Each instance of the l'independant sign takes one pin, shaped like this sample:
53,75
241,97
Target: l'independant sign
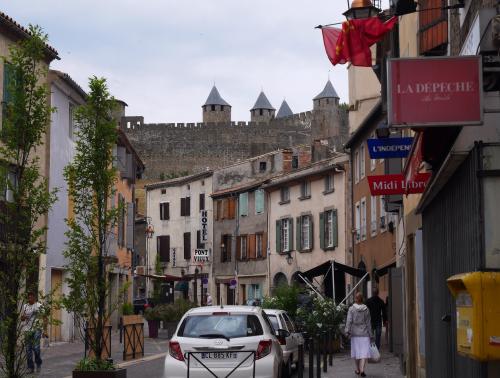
384,148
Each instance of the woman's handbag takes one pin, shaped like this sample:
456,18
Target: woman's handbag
374,353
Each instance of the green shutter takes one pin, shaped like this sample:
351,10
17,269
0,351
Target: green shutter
278,236
290,234
311,233
259,201
335,229
7,82
243,205
298,236
322,230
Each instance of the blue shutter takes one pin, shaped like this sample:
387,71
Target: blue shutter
322,230
259,201
335,229
243,205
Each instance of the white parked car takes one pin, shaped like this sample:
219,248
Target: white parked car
219,339
290,343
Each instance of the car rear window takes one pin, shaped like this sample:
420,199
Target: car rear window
274,322
214,326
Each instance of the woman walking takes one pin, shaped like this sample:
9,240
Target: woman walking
358,328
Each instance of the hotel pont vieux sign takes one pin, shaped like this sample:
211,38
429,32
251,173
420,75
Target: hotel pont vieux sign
437,91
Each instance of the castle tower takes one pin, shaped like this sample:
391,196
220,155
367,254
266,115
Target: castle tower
215,108
329,121
284,110
262,111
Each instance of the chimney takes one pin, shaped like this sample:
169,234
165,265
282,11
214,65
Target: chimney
287,160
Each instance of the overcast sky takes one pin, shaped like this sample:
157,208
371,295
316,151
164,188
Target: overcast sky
163,56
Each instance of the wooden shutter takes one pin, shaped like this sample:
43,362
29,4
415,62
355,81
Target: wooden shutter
252,252
183,207
290,234
322,231
188,206
130,226
167,210
225,211
278,236
187,246
433,26
335,229
232,208
229,241
202,201
298,234
163,247
311,233
264,245
238,248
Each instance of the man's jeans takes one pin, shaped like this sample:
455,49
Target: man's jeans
377,330
32,341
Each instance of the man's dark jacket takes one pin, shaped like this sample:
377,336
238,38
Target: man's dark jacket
378,311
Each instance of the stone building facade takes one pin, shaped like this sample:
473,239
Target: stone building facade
169,148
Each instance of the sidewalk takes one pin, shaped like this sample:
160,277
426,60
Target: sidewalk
343,367
59,359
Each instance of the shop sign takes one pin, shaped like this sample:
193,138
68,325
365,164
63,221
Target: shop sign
201,255
438,91
415,160
203,226
397,184
384,148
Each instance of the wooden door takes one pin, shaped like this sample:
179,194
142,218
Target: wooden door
56,313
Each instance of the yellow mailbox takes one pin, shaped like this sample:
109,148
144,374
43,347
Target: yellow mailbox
477,298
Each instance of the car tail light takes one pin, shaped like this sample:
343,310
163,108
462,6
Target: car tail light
263,349
175,350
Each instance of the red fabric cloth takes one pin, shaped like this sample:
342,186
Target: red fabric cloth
352,42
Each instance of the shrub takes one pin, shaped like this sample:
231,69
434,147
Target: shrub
92,364
322,317
127,309
285,298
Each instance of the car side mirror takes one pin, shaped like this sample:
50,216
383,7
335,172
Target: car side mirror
282,333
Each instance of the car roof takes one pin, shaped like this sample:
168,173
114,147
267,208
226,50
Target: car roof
231,309
274,312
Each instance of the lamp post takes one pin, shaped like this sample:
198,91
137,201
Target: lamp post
149,235
361,9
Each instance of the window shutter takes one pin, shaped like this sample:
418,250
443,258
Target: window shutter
232,208
311,233
229,247
8,75
130,225
252,252
290,234
167,210
202,201
243,204
163,247
322,230
187,246
183,207
335,229
298,235
188,206
264,245
259,201
225,205
278,236
238,248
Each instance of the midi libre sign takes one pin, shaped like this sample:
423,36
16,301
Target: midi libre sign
397,184
429,92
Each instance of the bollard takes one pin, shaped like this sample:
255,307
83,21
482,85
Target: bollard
300,362
318,359
325,352
311,358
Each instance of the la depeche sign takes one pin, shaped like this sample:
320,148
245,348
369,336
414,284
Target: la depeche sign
397,184
385,148
439,91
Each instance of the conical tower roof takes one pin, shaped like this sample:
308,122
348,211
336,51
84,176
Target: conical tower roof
328,92
214,98
284,110
262,103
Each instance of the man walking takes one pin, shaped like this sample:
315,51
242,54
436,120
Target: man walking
32,328
378,313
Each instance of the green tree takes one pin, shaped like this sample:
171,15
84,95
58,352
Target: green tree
91,181
24,198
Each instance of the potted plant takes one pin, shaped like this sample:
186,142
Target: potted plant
91,235
153,317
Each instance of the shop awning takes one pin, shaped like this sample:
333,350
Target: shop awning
170,278
182,286
383,270
322,269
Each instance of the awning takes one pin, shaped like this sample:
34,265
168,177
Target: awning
182,286
383,270
169,278
322,269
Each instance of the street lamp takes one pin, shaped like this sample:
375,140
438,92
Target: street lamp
361,9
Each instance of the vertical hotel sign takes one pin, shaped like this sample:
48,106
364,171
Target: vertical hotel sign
203,226
430,92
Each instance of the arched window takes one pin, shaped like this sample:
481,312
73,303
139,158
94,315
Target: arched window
280,279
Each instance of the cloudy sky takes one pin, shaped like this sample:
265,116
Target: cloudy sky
163,56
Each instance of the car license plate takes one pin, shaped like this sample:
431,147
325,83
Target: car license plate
219,356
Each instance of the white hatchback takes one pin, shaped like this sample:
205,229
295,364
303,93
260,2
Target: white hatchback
230,340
